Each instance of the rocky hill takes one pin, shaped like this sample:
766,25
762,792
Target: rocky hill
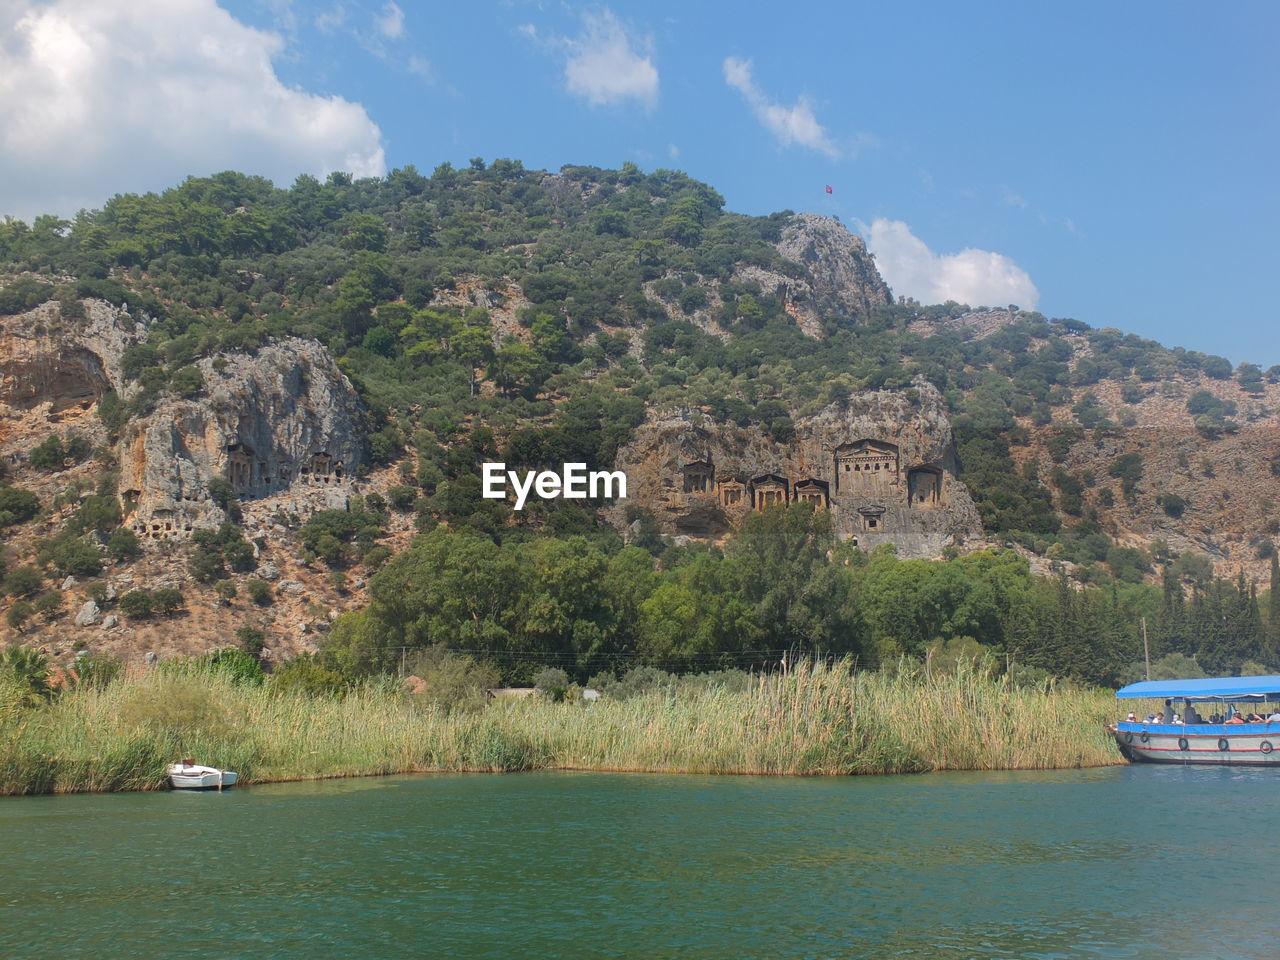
254,396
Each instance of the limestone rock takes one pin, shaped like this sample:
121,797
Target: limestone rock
839,276
282,419
882,461
67,364
68,583
268,571
88,614
110,622
292,587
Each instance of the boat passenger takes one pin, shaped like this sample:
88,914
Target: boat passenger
1176,718
1275,717
1192,716
1159,717
1254,718
1132,718
1236,718
1151,718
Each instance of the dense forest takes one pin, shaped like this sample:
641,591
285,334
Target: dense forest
495,312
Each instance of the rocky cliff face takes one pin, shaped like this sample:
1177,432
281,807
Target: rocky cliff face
60,365
281,420
882,462
840,276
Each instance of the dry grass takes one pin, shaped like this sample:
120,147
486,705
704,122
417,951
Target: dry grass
810,719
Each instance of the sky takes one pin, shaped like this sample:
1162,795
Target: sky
1114,163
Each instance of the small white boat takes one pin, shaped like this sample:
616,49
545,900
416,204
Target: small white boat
189,775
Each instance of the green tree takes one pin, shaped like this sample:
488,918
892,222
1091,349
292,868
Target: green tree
167,601
137,604
123,544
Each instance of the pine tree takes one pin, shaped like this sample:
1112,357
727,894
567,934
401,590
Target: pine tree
1273,613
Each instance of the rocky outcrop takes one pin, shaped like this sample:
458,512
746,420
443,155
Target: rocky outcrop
882,462
842,279
46,359
281,420
974,325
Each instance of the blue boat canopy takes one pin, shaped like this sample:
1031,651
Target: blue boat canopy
1254,689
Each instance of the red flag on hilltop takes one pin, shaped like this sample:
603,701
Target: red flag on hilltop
829,190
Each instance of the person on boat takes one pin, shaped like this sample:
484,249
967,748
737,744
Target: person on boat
1175,718
1254,718
1132,718
1192,716
1159,717
1275,717
1236,718
1151,718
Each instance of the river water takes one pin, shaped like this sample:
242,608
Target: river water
1116,862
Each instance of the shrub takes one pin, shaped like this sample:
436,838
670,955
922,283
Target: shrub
137,604
167,601
123,544
19,614
23,582
1172,504
48,604
225,589
48,455
243,668
251,640
98,512
304,675
71,555
17,506
402,497
552,681
260,592
376,557
452,681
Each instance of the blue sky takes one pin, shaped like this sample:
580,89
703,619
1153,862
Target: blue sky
1109,162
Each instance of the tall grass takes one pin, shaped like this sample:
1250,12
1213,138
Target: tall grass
814,718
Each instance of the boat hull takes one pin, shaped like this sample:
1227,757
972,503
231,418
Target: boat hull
200,778
1248,744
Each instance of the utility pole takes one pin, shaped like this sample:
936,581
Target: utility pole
1146,649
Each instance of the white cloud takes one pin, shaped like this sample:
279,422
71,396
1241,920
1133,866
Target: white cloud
975,277
98,98
604,67
327,21
795,124
390,22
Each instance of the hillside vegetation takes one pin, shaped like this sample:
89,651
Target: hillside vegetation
493,312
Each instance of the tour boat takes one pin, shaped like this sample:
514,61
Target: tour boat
189,775
1252,744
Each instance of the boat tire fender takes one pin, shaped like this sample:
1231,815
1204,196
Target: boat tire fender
1265,746
1183,743
1223,744
1128,738
1145,736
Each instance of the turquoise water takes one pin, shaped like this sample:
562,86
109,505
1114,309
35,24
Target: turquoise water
1119,862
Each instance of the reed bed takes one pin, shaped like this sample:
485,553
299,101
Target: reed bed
814,718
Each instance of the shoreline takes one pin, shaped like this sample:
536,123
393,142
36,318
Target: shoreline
813,720
648,771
